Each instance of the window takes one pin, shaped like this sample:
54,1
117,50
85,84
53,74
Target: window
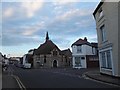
79,49
82,57
77,61
100,13
106,59
92,50
109,59
103,33
62,58
103,59
44,58
54,53
66,59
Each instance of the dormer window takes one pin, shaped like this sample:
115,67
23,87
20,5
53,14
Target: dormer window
100,13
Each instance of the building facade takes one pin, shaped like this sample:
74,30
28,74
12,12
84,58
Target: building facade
48,55
1,57
107,25
84,54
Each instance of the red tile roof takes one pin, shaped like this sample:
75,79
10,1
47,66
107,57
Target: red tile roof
81,42
84,42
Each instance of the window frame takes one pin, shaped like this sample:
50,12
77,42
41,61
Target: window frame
100,13
103,33
106,66
55,53
45,59
79,49
76,60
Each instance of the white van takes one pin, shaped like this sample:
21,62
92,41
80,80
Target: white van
27,65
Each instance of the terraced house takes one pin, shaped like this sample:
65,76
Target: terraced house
48,55
107,17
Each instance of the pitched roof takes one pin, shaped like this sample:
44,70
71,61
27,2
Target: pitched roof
66,52
81,42
46,48
95,44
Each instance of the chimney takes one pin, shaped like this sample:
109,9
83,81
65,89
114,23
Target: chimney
85,39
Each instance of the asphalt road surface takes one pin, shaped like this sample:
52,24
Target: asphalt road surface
53,78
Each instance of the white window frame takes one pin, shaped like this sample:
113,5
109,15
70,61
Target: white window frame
100,13
105,50
79,49
79,61
103,33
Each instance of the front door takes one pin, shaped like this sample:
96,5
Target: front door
55,63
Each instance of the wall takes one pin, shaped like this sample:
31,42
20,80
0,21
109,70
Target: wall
110,19
119,38
83,62
86,50
49,61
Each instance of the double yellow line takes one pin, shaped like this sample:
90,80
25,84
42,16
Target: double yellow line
22,87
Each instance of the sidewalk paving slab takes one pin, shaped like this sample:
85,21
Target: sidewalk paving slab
101,77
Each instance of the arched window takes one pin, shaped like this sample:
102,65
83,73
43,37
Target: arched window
55,53
44,58
66,59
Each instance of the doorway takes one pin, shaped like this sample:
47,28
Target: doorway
55,64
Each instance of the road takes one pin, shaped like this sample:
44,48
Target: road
53,78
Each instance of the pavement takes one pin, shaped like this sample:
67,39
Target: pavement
96,75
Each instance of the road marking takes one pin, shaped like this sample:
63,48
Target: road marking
22,87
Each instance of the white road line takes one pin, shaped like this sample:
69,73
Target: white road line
22,87
18,82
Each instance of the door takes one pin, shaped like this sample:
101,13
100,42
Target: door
55,63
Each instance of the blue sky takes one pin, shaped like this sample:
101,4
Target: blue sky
24,24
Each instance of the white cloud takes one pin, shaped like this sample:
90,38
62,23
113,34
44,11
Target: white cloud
64,2
30,30
30,8
73,12
8,12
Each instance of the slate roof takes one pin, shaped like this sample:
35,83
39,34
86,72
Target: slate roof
46,48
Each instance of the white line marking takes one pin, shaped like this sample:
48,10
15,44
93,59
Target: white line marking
22,87
17,82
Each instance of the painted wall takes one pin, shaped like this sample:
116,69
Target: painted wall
86,50
110,19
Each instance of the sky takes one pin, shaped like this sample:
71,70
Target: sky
24,24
